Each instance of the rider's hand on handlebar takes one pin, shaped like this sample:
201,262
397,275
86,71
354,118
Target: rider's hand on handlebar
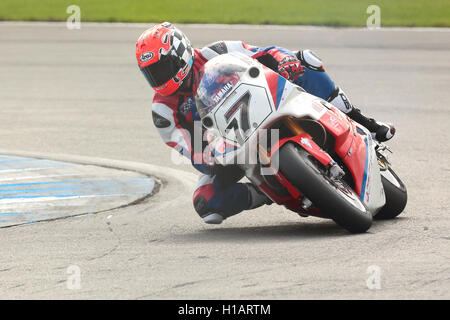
290,68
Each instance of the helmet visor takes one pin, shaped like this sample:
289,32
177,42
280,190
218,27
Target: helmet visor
160,72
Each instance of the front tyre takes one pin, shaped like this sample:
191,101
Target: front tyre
396,195
333,197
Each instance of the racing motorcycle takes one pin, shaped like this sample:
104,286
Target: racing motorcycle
308,155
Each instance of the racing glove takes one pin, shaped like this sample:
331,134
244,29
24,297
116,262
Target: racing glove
290,68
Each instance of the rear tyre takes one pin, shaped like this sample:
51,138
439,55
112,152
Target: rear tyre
396,196
333,197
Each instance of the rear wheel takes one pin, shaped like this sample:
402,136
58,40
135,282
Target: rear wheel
333,197
396,195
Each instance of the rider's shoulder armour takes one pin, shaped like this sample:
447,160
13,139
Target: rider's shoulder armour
219,47
310,60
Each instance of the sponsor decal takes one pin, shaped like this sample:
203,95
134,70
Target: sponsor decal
306,142
187,106
348,106
146,56
334,122
222,92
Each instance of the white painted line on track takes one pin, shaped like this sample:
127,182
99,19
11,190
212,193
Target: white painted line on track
40,177
27,169
44,199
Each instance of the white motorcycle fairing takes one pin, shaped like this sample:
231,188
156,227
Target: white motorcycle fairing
256,99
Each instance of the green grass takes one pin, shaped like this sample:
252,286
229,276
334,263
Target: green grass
426,13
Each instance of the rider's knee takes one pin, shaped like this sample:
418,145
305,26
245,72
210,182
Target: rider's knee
201,205
203,210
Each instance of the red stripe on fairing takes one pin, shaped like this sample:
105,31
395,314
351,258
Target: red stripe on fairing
207,191
272,81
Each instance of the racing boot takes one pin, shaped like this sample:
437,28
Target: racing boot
255,199
380,131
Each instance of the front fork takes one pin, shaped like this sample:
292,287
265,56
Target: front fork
295,128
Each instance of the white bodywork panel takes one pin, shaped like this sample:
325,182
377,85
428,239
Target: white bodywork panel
262,112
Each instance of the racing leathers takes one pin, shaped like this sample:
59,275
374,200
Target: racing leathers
218,194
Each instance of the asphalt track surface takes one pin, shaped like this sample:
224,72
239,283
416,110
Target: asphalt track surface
79,92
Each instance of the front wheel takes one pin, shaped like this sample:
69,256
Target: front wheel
396,195
332,196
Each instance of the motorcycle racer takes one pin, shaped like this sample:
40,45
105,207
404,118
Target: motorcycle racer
171,66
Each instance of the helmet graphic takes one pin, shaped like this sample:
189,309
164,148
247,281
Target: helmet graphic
165,57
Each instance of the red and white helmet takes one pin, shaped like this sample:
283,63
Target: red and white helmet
165,57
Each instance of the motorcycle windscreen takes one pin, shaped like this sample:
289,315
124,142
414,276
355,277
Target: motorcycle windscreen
217,79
